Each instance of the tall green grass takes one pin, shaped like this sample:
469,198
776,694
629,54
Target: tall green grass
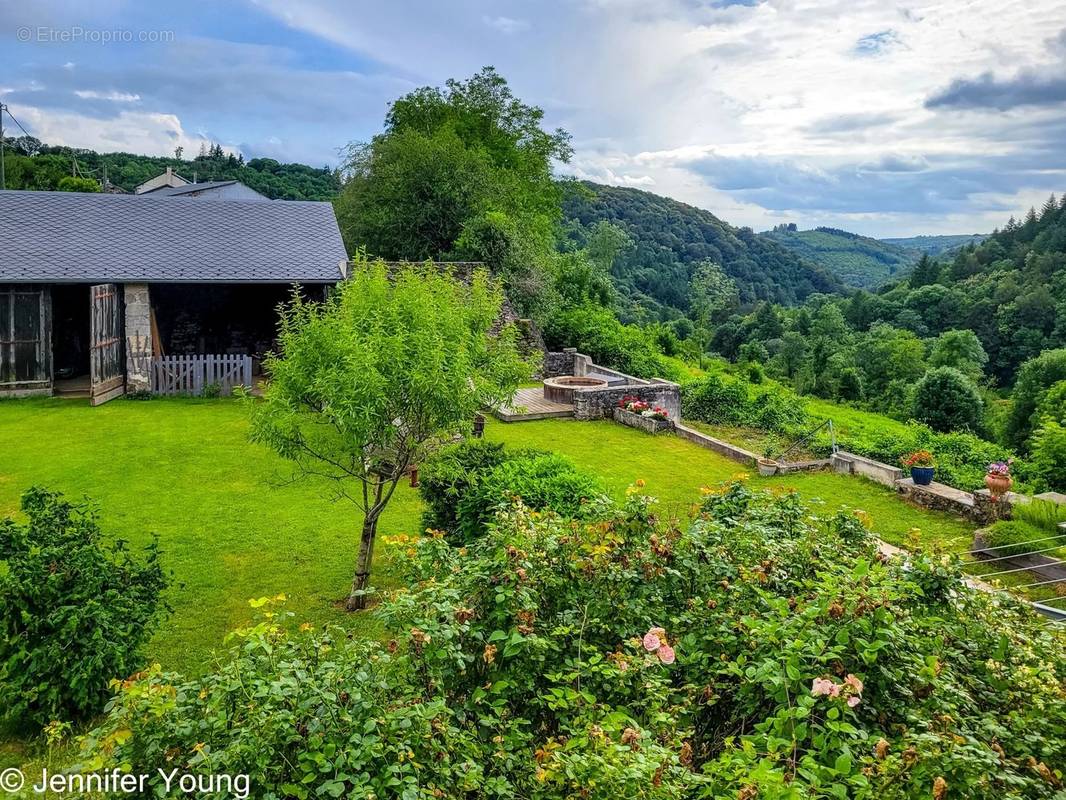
1043,514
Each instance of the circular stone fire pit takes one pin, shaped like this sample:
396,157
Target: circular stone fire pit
561,389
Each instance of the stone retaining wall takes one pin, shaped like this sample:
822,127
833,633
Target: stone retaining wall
854,464
745,457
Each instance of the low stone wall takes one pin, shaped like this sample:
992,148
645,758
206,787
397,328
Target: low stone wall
601,403
568,362
938,497
745,457
854,464
646,424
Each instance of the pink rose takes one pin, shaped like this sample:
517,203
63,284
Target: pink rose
854,683
666,654
651,641
854,700
821,686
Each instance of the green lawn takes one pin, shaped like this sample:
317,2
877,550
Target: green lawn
233,527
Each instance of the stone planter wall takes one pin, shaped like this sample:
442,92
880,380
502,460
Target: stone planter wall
646,424
601,403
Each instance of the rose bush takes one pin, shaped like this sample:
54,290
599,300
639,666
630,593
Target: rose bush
756,652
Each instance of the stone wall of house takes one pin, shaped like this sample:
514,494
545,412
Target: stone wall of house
600,403
138,336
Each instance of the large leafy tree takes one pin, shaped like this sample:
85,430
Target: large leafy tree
460,172
367,384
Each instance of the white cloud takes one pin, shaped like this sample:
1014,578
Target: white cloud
116,97
129,131
507,25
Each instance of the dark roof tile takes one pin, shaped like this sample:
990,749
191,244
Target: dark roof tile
50,237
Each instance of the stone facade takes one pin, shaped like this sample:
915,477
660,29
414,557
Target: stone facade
138,337
646,424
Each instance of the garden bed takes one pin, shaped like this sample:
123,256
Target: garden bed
641,422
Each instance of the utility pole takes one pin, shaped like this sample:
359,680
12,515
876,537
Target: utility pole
3,177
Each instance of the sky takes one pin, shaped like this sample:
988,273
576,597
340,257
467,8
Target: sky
880,117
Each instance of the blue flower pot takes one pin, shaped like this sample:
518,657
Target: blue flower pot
923,476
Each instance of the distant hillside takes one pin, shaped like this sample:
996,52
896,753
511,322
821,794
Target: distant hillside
857,260
32,165
937,245
672,237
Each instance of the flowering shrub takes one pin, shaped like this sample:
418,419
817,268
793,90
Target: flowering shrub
637,406
919,458
756,653
1000,469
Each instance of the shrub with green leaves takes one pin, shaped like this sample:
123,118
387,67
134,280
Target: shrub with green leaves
540,480
722,399
754,653
449,473
946,400
465,484
75,612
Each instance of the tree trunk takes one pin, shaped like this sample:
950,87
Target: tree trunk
357,598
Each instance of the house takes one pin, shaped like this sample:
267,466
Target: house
212,190
169,179
94,288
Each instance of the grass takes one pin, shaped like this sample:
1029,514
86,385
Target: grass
851,422
232,526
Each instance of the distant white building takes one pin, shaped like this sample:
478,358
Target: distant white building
210,190
169,179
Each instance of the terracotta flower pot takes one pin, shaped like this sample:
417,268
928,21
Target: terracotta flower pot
998,484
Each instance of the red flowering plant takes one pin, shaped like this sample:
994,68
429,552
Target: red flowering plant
919,458
635,405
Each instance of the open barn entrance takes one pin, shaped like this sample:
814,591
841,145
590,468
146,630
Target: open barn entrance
70,338
195,319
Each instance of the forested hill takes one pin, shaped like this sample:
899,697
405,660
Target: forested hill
937,245
857,260
1010,290
31,165
670,238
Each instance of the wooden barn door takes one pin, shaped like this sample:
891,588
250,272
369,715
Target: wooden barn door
107,370
25,340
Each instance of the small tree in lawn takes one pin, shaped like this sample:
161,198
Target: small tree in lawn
365,385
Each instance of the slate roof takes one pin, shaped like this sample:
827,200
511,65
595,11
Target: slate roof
71,237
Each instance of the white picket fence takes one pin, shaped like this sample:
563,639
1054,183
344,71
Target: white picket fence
192,374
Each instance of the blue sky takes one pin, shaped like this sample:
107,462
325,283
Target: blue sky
881,117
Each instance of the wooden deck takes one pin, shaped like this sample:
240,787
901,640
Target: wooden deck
530,404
